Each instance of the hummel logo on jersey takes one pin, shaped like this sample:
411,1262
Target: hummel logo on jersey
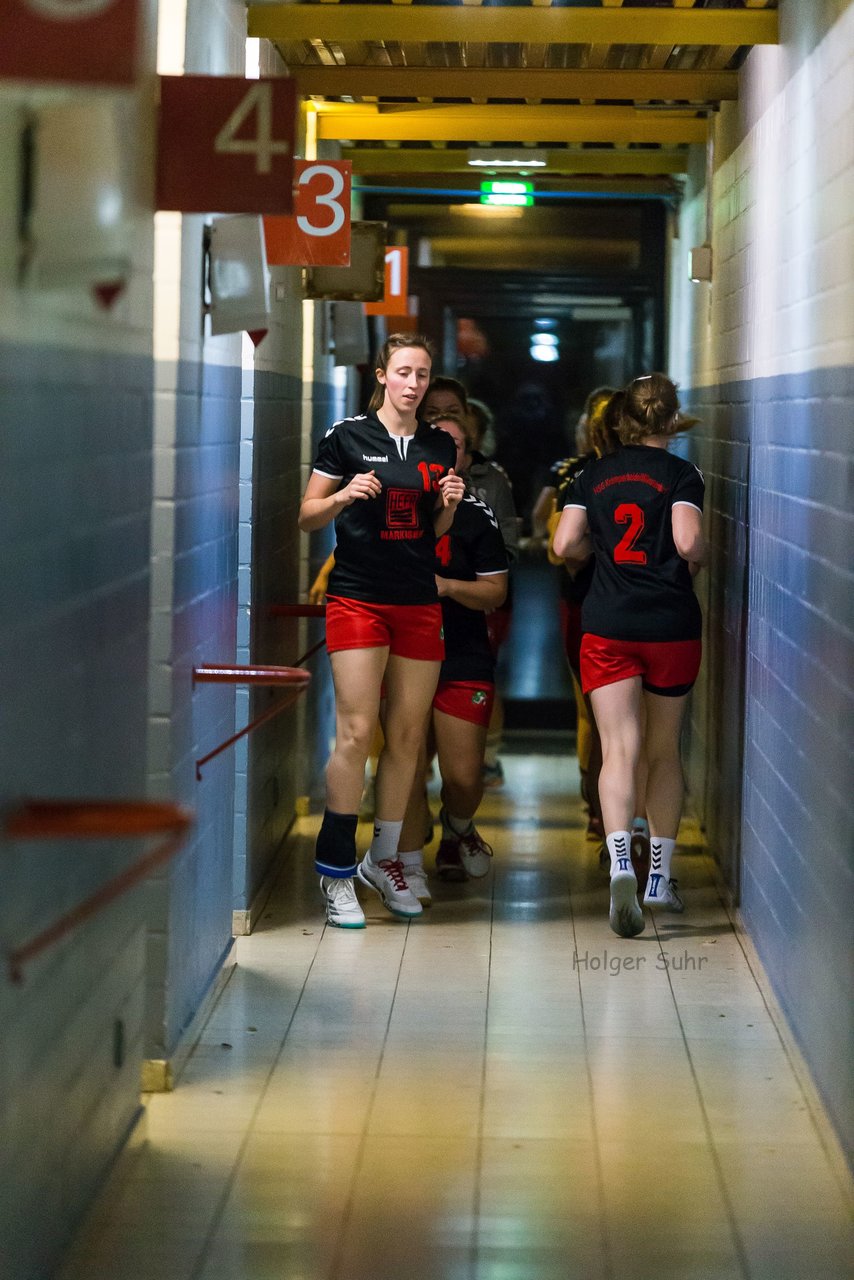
484,506
378,457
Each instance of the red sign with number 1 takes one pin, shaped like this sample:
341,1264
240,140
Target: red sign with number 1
318,232
225,145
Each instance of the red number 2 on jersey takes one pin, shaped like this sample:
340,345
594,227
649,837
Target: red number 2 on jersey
631,514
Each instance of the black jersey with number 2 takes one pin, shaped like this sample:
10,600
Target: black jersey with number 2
384,551
473,545
641,588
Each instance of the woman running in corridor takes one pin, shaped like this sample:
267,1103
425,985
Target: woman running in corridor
389,484
639,511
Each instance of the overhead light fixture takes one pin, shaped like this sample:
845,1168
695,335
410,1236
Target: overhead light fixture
507,158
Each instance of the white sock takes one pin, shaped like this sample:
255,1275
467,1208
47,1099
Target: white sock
384,844
414,860
661,855
619,844
453,826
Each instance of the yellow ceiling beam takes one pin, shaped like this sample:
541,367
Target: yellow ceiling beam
368,161
495,124
535,24
515,82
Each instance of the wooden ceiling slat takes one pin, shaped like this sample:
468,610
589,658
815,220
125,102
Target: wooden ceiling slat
514,24
546,82
498,123
409,160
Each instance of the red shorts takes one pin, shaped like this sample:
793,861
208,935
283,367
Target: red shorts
666,667
497,627
408,630
465,700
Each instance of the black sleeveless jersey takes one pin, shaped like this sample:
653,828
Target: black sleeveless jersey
641,588
385,546
473,545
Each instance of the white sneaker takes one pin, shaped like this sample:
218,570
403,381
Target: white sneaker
662,893
475,854
388,880
416,878
626,916
342,905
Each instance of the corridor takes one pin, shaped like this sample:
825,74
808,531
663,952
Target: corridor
503,1090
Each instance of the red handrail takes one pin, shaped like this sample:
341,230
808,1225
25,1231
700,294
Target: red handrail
300,611
296,678
94,820
297,610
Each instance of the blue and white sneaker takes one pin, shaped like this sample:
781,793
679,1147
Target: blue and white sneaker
342,905
626,916
661,893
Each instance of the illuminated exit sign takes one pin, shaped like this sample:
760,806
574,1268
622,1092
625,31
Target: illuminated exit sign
507,193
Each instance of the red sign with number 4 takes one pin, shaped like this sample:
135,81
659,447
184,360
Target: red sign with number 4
225,145
318,232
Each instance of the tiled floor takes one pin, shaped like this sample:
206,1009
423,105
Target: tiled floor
502,1090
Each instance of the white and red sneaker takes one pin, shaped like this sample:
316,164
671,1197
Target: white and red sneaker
387,878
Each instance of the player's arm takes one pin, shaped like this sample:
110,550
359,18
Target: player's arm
687,523
485,593
323,500
572,538
452,490
317,590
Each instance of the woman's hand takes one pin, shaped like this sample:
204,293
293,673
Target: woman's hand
452,488
363,485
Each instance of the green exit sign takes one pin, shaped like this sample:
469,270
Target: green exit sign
507,193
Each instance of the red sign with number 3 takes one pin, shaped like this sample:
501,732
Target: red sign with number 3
318,232
225,145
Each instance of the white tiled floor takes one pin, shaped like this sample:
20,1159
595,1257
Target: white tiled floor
503,1090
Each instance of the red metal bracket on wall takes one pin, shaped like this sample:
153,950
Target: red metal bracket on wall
300,611
93,820
295,679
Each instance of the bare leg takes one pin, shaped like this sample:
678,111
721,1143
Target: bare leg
357,675
417,817
665,788
460,746
410,686
617,710
618,715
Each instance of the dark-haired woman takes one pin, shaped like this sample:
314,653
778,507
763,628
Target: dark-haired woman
639,511
389,484
471,577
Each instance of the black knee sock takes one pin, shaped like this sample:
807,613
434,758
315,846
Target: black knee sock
335,850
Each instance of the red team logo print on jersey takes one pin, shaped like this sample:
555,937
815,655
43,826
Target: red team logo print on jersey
401,515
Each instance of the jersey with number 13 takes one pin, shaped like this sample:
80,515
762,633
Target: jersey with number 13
642,588
385,546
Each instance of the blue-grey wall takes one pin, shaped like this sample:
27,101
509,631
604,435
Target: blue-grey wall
776,781
285,757
798,856
194,623
75,507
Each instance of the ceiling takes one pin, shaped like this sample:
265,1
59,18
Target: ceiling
612,94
